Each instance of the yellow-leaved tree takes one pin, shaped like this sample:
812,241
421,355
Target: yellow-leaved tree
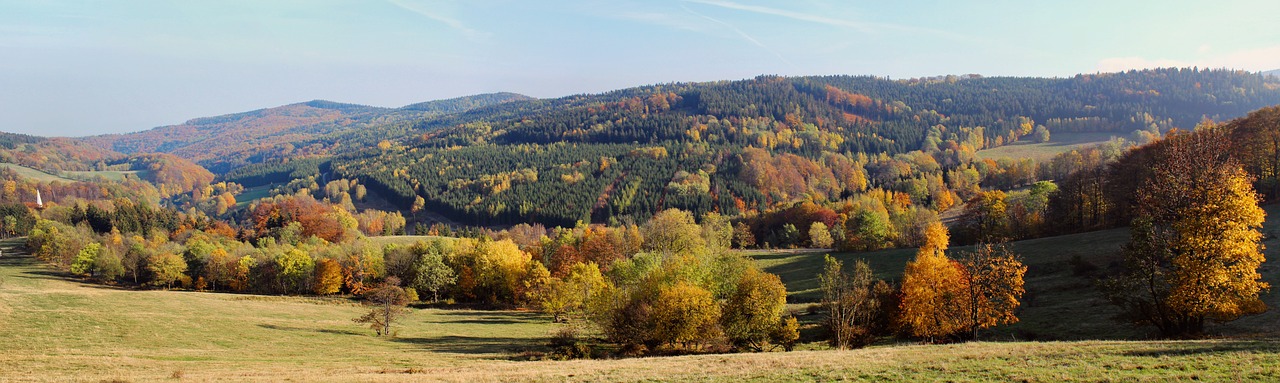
934,290
1194,250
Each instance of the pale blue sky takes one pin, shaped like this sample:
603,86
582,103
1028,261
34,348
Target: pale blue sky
90,67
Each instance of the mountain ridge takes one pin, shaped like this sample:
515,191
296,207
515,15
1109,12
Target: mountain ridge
212,140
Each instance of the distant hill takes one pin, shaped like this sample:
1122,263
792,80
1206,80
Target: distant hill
52,155
1273,73
227,141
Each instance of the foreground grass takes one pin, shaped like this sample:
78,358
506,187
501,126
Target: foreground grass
56,329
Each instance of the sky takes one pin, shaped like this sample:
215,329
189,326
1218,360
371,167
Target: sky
77,68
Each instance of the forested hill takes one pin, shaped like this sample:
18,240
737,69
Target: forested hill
747,146
224,142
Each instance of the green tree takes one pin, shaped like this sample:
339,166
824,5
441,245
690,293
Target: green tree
671,232
107,265
83,263
431,273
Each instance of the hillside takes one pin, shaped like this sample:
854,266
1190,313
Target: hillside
629,153
51,155
223,142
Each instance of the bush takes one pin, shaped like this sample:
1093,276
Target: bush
786,333
566,344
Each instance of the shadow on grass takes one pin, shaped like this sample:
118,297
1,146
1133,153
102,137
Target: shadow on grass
1185,348
489,317
502,347
326,331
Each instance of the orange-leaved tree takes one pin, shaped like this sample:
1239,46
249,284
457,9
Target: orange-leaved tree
993,275
934,290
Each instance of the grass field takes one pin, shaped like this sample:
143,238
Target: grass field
1058,143
1055,288
71,176
254,193
33,173
405,240
110,175
53,328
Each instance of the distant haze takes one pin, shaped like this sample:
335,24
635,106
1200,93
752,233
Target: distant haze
82,68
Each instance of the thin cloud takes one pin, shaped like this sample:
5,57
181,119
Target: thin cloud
741,33
447,21
663,19
864,27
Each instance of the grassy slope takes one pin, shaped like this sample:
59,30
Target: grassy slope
33,173
55,329
71,176
1058,143
255,193
110,175
1060,303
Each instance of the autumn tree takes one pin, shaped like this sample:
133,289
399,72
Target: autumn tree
933,290
742,236
685,314
985,217
328,277
672,231
754,310
166,267
1194,251
993,275
820,236
565,297
387,304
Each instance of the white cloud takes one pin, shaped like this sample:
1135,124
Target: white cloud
1258,59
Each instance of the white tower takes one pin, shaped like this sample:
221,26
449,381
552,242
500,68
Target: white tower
39,202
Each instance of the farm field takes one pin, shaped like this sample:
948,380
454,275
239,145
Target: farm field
57,329
1058,143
